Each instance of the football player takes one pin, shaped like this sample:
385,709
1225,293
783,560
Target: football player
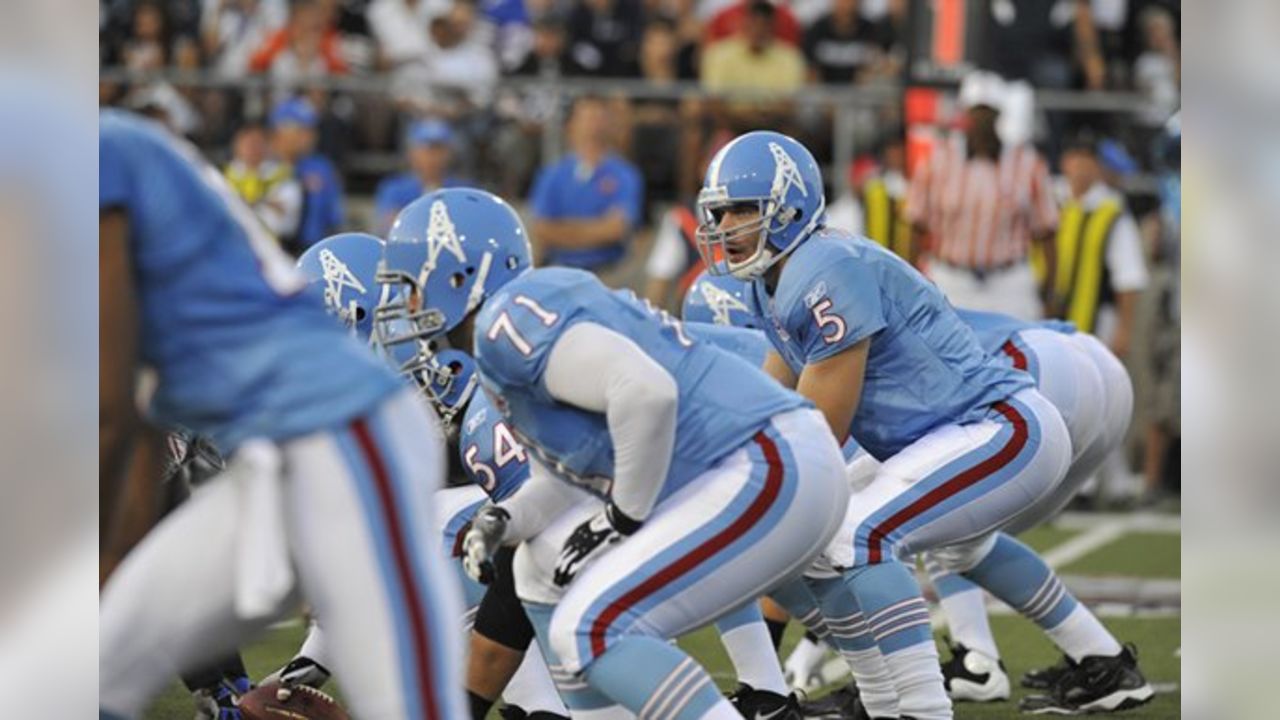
331,460
964,442
344,268
1067,368
700,505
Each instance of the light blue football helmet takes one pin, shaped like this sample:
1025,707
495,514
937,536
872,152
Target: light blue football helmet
450,382
344,267
780,178
447,252
719,299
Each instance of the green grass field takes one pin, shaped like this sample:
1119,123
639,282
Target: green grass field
1138,554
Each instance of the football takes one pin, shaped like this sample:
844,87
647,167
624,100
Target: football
303,703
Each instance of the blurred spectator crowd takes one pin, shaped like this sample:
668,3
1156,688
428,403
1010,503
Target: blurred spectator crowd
427,103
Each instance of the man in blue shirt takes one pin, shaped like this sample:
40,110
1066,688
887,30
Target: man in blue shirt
586,205
293,128
430,152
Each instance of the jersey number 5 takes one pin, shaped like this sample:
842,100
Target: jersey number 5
503,325
828,320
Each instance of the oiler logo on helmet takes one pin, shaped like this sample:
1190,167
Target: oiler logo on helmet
721,302
785,174
338,277
441,235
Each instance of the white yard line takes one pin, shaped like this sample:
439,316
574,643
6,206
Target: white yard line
1086,542
1138,521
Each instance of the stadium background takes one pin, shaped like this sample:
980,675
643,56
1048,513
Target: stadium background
846,77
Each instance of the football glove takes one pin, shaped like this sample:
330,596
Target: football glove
487,530
590,539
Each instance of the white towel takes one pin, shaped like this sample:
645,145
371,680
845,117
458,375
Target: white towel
264,572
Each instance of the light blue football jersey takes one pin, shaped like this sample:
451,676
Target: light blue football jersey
491,455
241,347
723,400
995,329
925,367
750,345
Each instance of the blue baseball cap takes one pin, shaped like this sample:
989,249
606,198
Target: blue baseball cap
295,111
1116,158
430,132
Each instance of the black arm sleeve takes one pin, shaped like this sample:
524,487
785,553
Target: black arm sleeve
501,617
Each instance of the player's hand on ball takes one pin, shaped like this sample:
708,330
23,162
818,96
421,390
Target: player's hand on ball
488,528
590,539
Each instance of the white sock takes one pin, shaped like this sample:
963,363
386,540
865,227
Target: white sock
805,660
967,620
917,677
751,650
314,646
875,685
1082,635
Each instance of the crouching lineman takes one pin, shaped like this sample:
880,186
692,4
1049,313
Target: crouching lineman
1091,391
344,268
711,484
332,460
965,442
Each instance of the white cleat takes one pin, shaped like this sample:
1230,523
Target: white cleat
972,676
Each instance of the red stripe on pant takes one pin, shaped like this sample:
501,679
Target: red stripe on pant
421,641
759,506
1015,353
1006,454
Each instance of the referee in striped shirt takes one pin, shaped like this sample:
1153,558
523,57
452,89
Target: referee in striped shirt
978,205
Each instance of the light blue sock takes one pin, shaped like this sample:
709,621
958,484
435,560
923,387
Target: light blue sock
574,691
840,612
898,619
797,599
891,603
1014,573
947,584
748,613
652,678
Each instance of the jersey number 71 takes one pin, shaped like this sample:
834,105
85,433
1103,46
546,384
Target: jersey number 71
503,325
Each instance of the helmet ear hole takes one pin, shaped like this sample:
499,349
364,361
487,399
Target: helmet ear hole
360,314
512,262
471,270
456,280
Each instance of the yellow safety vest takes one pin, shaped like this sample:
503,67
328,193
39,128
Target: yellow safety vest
1081,247
251,186
885,223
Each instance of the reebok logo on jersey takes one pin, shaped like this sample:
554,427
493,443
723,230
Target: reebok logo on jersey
476,420
815,295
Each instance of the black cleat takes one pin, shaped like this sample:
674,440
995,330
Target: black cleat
843,703
755,704
1045,678
1093,685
